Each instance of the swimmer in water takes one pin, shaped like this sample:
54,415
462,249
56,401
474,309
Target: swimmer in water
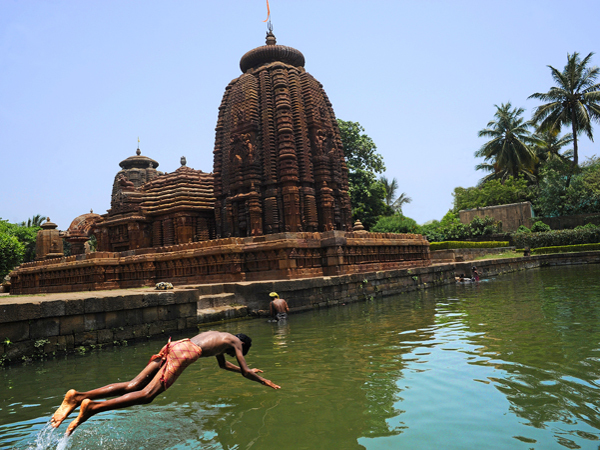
278,307
160,373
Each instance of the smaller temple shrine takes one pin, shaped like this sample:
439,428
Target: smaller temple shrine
49,242
154,209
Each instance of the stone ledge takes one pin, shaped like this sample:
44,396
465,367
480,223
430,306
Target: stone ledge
38,325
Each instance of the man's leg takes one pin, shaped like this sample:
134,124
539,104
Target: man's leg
73,398
90,408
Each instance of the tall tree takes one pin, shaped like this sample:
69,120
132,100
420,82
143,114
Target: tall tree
400,201
550,148
509,151
575,100
390,189
367,194
35,221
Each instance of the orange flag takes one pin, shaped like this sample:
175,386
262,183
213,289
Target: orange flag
268,12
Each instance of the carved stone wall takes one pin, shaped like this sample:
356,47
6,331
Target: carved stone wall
280,256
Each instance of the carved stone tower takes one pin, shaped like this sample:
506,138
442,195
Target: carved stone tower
278,160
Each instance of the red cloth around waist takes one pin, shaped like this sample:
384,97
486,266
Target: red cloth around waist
176,357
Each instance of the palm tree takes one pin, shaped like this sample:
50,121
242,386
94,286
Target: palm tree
401,200
391,187
35,221
509,152
550,145
575,100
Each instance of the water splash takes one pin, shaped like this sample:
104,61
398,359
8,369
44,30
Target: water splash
50,438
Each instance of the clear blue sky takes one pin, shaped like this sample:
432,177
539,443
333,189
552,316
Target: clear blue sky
81,80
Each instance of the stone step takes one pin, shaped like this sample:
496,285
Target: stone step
221,313
216,300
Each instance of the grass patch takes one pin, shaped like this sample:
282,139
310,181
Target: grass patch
507,254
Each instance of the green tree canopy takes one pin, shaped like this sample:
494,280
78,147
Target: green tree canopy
12,255
395,224
574,101
580,196
492,193
359,149
367,193
11,249
508,153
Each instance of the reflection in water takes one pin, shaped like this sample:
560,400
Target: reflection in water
544,335
510,362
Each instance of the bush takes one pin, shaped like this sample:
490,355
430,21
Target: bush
432,231
523,229
540,227
452,228
566,249
395,224
484,226
557,238
587,226
447,245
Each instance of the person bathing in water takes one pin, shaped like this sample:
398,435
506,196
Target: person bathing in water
278,307
160,374
463,279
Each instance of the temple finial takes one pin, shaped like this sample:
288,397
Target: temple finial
138,151
270,36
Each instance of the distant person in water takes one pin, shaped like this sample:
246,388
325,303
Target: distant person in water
160,373
278,307
474,273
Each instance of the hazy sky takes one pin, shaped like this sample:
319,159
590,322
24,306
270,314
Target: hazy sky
80,80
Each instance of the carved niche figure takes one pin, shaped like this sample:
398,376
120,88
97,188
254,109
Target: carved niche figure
319,139
125,184
244,149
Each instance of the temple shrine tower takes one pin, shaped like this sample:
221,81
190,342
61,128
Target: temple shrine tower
278,159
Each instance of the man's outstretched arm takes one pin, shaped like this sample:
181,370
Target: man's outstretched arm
245,370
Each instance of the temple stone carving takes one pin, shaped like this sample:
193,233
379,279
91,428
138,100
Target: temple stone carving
278,159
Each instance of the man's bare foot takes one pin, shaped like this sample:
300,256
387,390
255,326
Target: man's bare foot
85,412
66,407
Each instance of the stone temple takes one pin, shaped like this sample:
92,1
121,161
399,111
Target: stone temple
275,207
278,161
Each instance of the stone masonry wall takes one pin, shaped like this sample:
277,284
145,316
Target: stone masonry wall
44,325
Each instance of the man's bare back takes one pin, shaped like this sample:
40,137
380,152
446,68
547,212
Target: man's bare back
214,343
279,305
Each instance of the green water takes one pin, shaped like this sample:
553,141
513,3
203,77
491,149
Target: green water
512,362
